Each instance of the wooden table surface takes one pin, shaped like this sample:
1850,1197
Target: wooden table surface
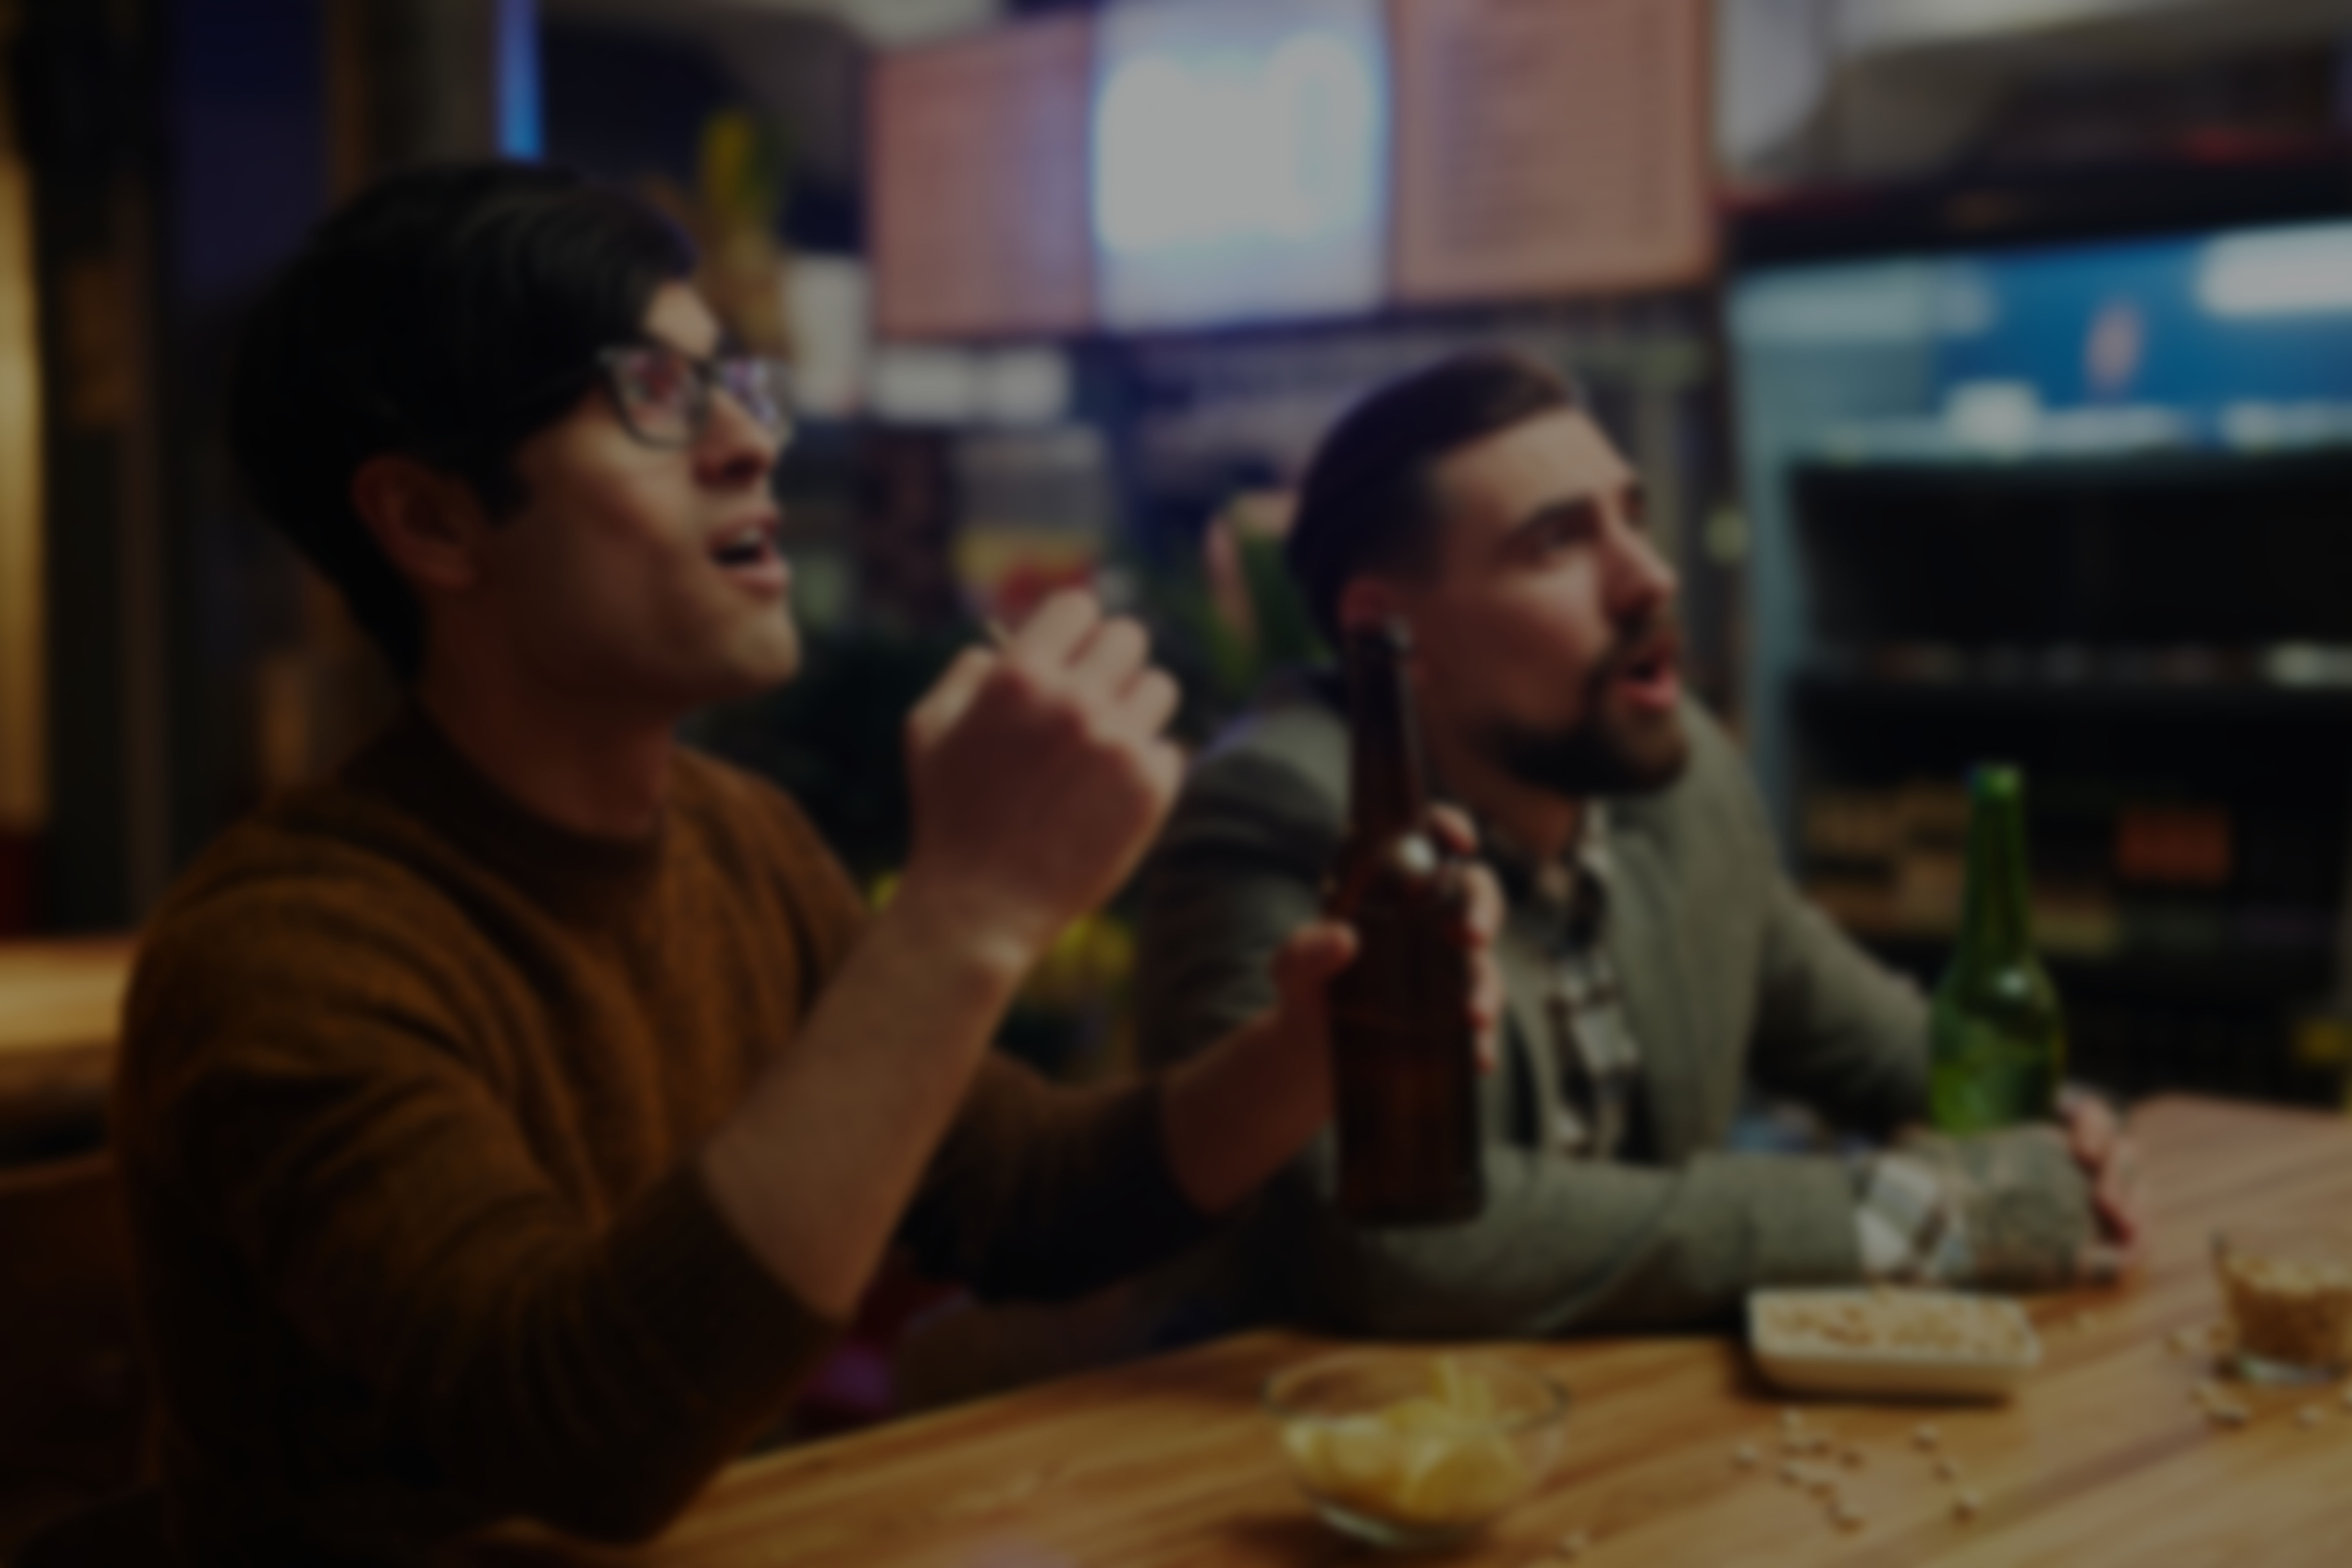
60,1004
2104,1458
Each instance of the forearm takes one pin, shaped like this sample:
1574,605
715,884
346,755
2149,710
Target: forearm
1239,1111
1237,872
1037,773
1036,1190
1568,1245
1044,1192
1205,1013
815,1168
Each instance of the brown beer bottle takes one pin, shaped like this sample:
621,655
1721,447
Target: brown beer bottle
1403,1055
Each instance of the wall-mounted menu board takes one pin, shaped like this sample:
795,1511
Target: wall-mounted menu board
1171,165
1547,147
978,180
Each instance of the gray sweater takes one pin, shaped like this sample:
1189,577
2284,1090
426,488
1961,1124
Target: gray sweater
1727,974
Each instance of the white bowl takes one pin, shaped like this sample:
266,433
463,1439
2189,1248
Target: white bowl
1869,1342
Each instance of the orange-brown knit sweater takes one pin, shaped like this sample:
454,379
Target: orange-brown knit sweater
410,1085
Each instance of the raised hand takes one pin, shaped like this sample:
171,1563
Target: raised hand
1039,774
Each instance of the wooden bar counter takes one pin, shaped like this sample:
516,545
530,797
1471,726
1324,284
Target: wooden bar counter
2103,1459
61,1007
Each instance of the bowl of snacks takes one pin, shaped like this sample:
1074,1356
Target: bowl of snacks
2287,1293
1890,1343
1408,1449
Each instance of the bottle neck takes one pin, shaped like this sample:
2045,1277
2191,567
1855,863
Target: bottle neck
1996,919
1388,792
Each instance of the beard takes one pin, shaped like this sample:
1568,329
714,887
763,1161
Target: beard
1610,751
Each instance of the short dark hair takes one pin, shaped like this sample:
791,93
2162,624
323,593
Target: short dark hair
1366,499
447,314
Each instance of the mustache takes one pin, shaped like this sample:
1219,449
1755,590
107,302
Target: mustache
1650,636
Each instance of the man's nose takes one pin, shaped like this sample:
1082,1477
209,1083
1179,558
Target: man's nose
735,450
1643,579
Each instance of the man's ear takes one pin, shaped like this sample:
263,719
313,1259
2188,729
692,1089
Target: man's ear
429,525
1366,601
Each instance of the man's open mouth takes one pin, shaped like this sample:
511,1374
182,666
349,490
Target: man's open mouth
1648,677
751,557
747,546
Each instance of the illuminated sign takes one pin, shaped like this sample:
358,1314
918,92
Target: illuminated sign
1240,168
2300,271
979,203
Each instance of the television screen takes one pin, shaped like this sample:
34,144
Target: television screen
1240,161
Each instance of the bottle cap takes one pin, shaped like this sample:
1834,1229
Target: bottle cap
1996,781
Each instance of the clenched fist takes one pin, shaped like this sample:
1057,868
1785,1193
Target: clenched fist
1039,774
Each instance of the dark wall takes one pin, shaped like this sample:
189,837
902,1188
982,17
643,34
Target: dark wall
83,75
629,102
246,167
178,151
623,104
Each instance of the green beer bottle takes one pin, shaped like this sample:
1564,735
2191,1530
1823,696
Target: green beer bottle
1998,1045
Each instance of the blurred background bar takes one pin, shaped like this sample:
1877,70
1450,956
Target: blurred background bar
1990,366
24,695
1989,363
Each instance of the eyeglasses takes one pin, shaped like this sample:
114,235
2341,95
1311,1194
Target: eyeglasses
664,394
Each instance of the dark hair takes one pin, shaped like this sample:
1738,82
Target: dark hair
1366,499
446,313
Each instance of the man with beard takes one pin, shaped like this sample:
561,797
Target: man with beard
1656,958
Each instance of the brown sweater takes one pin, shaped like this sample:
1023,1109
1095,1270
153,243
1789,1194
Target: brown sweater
410,1085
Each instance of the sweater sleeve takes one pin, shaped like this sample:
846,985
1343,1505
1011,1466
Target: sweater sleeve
1564,1244
1044,1190
298,1086
1038,1190
1833,1026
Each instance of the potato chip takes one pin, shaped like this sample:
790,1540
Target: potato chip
1429,1460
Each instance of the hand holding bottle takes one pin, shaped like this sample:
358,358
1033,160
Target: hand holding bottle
1316,952
1239,1111
1404,1058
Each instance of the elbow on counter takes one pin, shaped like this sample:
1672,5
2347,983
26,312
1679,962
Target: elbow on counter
621,1510
624,1496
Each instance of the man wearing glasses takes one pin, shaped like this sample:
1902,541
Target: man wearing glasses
509,1122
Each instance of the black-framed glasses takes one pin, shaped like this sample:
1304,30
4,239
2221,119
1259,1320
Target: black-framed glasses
664,393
